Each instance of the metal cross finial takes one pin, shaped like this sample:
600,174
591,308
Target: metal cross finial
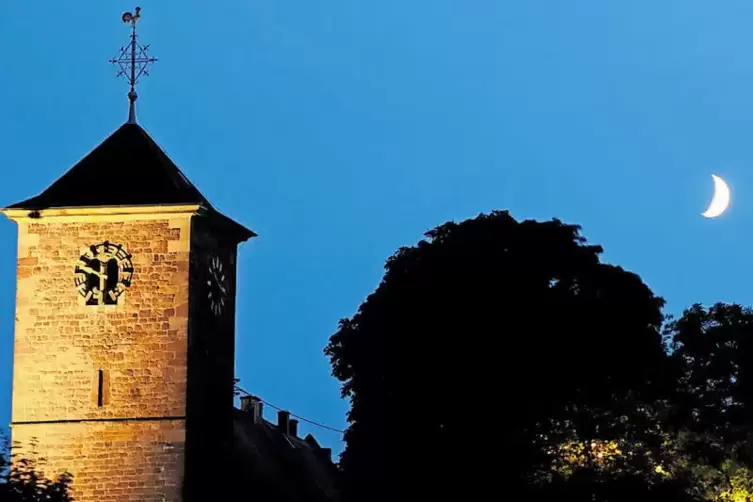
133,62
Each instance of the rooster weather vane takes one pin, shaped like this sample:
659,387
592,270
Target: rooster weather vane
133,62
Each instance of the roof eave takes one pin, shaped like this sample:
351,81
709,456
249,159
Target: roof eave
23,213
239,232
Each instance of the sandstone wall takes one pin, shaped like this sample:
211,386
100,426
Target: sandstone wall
113,461
139,345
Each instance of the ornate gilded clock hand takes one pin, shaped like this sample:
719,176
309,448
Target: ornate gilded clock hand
218,282
90,270
86,269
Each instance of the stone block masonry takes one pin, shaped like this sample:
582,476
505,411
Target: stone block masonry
113,461
102,388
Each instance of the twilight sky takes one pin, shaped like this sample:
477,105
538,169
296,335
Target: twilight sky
340,130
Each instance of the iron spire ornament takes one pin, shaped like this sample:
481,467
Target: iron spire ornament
133,62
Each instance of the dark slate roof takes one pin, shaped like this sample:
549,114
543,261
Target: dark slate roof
127,169
281,467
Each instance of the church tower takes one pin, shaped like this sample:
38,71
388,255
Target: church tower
124,327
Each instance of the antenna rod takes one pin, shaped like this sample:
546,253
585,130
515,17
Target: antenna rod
133,62
132,96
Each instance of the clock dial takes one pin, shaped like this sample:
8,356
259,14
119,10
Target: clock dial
217,286
103,273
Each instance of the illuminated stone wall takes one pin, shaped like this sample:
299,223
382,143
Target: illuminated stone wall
121,432
114,461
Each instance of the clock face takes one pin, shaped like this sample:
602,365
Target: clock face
217,285
103,273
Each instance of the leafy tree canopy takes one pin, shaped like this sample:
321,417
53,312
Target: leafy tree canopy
485,345
21,479
714,349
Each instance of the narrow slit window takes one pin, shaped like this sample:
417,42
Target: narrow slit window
100,388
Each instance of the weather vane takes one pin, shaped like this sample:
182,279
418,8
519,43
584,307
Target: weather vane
133,62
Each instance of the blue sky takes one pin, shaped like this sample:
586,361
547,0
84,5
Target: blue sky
341,130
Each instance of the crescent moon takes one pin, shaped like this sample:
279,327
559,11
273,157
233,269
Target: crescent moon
720,201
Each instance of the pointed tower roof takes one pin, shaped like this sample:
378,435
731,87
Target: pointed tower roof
127,169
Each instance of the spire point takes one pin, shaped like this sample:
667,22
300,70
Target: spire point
133,61
132,96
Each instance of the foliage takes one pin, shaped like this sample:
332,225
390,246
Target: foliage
603,457
495,337
504,353
713,406
714,349
21,479
587,485
706,425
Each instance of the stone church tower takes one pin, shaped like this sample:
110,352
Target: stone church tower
124,336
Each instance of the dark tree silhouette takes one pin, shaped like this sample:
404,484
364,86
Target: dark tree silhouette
21,480
713,407
589,486
485,346
714,348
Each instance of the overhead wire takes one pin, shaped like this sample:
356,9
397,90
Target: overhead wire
304,419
